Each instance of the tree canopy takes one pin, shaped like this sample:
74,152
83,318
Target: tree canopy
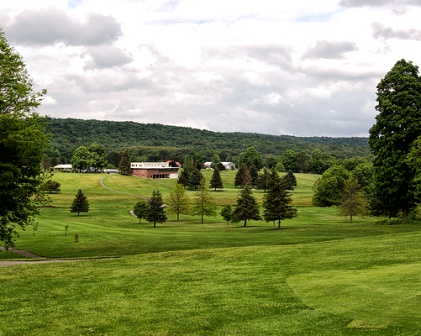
22,144
398,125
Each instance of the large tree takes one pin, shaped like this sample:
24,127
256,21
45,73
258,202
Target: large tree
398,124
81,158
124,165
22,144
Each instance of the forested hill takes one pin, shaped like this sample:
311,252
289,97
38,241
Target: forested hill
68,134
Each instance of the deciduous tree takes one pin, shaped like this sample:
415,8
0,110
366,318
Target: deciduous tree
140,209
354,201
178,202
125,163
203,202
398,125
22,144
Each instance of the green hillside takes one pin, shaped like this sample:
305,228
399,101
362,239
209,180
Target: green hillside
175,142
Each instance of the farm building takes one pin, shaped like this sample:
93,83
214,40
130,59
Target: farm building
227,165
153,170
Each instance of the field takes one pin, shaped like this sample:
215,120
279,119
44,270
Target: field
319,275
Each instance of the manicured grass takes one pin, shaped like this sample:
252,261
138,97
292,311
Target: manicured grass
318,275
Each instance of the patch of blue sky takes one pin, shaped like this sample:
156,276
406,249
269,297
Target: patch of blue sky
73,3
321,17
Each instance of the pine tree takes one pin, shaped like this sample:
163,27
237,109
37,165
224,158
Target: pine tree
277,200
80,203
125,163
290,180
155,212
247,207
178,202
216,180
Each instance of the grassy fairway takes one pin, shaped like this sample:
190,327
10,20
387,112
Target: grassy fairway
319,275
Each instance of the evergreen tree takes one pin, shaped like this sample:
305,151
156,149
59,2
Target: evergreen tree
195,177
226,213
124,165
242,176
277,200
263,179
203,202
22,144
183,178
216,160
246,207
80,203
290,180
155,212
140,209
216,180
398,125
178,202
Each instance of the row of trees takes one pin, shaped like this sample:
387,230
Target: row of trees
276,203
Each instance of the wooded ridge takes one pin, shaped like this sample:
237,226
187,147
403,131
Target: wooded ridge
68,134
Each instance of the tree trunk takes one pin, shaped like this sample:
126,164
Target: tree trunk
279,223
245,222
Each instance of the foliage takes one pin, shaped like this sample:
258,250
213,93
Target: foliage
155,212
329,188
353,201
124,165
243,176
250,157
320,161
216,161
178,202
263,179
290,180
277,199
203,203
81,158
226,213
80,203
398,125
22,143
140,209
246,207
98,156
51,186
216,180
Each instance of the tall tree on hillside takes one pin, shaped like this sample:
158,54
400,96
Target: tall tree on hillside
398,125
22,144
178,202
203,202
277,200
250,157
216,180
80,203
125,163
155,212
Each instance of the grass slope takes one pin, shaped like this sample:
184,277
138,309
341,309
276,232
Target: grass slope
319,275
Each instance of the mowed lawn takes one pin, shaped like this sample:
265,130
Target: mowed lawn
318,275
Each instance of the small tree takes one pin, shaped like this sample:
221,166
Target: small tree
226,213
247,207
216,180
80,203
156,213
203,202
125,162
140,209
178,202
51,186
195,177
290,180
354,201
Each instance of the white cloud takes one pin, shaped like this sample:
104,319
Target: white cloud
301,67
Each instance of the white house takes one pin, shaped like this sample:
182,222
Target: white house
227,165
63,167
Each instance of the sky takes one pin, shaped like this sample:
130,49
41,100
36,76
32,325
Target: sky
302,67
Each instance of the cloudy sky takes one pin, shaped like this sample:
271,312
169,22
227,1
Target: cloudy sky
302,67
